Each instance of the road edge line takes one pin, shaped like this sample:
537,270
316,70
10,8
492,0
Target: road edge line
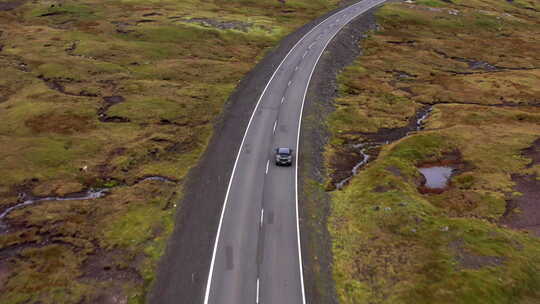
298,137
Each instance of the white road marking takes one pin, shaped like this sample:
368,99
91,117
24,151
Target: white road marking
262,216
267,164
289,84
296,68
275,124
311,45
257,301
305,54
282,99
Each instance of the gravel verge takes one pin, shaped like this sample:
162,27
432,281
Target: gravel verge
315,203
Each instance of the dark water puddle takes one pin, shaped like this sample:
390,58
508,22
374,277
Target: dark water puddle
27,201
436,177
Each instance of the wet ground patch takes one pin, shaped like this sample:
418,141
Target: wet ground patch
11,5
110,265
109,101
222,25
523,208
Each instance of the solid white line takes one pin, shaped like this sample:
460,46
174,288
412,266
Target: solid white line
216,242
257,291
282,99
275,124
267,164
298,158
262,216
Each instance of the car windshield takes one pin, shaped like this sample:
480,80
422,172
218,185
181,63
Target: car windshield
284,151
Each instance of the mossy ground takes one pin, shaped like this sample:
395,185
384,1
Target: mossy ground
62,133
476,62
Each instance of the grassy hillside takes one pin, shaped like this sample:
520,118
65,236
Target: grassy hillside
477,63
117,95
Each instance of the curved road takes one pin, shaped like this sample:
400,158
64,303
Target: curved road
257,255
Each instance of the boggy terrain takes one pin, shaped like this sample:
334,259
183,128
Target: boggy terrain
474,68
105,106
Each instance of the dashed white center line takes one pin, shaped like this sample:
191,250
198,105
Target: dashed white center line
267,164
305,54
311,45
296,68
262,216
289,84
282,99
275,124
257,301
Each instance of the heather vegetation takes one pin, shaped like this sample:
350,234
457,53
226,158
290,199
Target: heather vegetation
118,95
476,64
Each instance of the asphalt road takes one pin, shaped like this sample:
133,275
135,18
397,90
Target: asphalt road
257,254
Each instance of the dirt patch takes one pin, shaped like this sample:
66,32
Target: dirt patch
533,152
11,5
109,265
470,260
523,211
59,123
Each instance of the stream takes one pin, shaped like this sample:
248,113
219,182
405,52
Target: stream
416,124
88,195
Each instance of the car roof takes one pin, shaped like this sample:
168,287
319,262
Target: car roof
284,150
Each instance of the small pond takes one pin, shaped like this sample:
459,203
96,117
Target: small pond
436,177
